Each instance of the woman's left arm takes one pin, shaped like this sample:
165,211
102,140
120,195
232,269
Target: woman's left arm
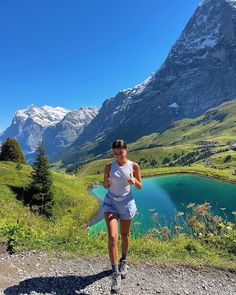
137,176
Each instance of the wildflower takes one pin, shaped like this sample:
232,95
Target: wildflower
202,209
234,212
165,231
200,226
154,230
192,221
222,209
180,213
137,223
217,218
190,205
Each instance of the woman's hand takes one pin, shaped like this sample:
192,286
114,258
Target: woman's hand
106,182
132,180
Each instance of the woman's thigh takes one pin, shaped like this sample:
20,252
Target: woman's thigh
112,223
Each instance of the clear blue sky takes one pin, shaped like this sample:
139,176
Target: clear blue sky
74,53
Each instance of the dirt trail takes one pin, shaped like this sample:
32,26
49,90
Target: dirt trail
42,273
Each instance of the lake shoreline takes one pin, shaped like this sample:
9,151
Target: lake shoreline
97,216
193,172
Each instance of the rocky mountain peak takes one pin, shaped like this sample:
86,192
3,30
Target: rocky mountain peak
199,73
44,116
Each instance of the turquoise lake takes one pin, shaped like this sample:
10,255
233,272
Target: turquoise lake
161,197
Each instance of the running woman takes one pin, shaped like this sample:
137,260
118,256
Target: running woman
119,205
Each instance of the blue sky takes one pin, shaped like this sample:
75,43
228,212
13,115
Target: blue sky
74,53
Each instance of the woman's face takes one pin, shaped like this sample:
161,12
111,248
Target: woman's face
119,153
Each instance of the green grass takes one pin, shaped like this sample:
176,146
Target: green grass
74,206
216,125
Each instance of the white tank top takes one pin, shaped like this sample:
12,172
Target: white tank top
119,184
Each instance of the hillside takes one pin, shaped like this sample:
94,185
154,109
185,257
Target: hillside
217,124
203,140
74,206
67,232
197,75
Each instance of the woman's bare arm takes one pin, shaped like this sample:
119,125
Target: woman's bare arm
107,180
136,179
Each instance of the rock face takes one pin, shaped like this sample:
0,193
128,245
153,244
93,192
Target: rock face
28,126
55,127
199,73
64,133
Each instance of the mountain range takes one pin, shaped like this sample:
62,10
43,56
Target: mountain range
198,74
34,125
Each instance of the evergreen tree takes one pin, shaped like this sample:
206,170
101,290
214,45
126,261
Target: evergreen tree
40,190
11,151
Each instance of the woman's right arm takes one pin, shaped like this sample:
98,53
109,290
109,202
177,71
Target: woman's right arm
107,180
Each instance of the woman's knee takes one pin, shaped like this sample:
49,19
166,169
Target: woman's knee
125,236
113,238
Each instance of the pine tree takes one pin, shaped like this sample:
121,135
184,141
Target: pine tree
40,190
11,151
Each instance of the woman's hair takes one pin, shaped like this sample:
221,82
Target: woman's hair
119,144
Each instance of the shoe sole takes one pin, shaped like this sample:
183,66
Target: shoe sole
123,276
115,292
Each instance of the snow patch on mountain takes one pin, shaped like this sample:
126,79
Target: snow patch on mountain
174,105
80,117
44,116
139,88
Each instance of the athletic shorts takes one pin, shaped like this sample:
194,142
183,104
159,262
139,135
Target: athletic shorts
125,207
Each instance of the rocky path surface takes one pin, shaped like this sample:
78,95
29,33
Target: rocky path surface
42,273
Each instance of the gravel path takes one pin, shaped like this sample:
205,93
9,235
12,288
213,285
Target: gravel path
42,273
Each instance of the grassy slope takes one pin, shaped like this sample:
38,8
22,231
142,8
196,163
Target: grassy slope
216,125
73,207
145,156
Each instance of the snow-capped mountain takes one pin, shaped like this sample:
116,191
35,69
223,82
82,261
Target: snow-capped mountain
68,129
60,126
199,73
29,124
44,116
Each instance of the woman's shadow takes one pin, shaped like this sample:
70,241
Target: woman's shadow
57,285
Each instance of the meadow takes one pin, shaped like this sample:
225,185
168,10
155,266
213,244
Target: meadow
212,241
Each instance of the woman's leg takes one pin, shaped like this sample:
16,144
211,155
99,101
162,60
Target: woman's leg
125,226
112,227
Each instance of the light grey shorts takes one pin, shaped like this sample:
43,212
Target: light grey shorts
125,207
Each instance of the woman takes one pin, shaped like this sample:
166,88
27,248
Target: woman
119,204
